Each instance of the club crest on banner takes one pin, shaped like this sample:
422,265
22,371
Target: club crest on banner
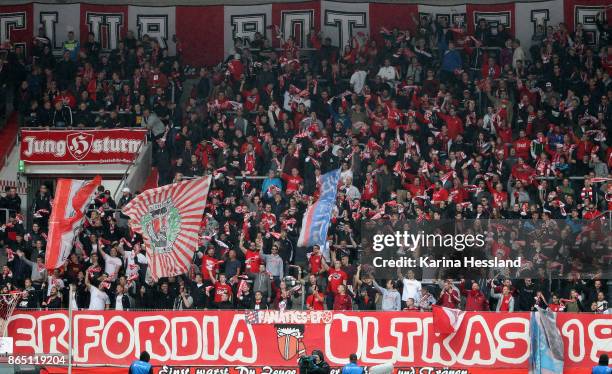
162,225
290,340
79,144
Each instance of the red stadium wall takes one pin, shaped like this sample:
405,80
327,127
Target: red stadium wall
206,32
225,339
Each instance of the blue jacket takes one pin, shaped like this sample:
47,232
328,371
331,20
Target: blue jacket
451,61
140,367
601,370
352,368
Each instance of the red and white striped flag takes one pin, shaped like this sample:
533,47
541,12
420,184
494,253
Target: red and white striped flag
72,197
446,320
169,219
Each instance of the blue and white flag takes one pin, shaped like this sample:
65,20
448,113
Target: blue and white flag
317,216
546,344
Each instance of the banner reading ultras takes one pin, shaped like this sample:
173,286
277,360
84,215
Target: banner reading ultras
276,339
117,146
474,249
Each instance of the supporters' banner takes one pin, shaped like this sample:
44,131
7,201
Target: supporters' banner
546,344
197,47
531,15
452,15
72,197
337,20
118,146
296,19
156,22
317,216
108,23
16,24
342,21
244,22
493,14
169,218
57,20
399,15
586,13
224,338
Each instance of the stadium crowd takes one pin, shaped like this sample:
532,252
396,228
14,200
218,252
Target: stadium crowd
425,124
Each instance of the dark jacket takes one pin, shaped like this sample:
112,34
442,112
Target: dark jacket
125,302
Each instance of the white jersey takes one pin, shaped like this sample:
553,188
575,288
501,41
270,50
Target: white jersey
98,299
412,290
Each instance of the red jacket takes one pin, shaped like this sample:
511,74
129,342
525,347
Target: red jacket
475,300
343,302
449,300
522,147
453,123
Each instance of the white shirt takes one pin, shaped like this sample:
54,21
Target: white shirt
111,265
412,290
352,192
130,257
387,73
119,302
73,301
98,299
358,81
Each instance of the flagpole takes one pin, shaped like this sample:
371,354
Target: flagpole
70,298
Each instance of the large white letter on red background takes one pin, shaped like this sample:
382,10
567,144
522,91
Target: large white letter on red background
344,23
11,21
494,19
297,24
58,20
157,22
587,16
244,22
105,27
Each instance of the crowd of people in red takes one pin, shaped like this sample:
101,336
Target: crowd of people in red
429,124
